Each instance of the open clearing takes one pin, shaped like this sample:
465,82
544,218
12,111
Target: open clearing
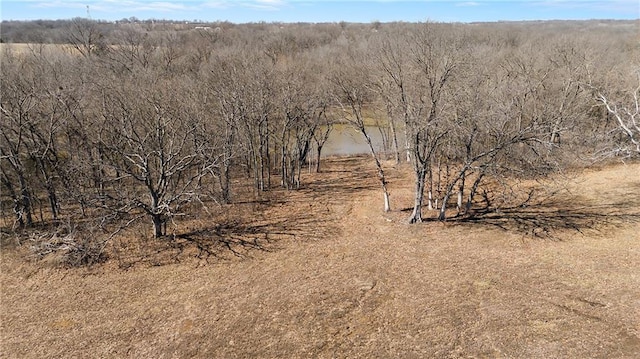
339,278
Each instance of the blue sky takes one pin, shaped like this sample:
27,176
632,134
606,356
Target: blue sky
239,11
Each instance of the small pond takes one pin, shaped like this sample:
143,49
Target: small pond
345,140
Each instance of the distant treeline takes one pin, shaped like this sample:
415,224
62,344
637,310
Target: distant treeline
56,31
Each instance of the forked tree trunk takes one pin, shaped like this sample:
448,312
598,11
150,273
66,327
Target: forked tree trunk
320,141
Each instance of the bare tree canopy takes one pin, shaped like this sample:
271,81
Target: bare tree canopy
157,121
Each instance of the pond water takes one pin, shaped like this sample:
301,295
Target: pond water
345,140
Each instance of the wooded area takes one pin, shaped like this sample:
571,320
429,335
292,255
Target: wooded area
142,121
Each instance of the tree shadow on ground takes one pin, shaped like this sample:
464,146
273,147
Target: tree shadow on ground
228,239
312,212
548,219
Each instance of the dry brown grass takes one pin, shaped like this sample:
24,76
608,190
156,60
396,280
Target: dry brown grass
48,49
322,272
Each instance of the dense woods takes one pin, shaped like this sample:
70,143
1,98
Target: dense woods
143,121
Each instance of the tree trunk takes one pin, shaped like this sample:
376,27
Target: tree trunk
439,184
285,182
460,193
416,215
225,178
443,215
394,140
259,172
472,193
268,155
25,201
225,182
318,153
387,203
299,173
381,177
16,200
158,225
407,144
430,200
51,192
320,140
385,139
261,163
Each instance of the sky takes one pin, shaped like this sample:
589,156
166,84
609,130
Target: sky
242,11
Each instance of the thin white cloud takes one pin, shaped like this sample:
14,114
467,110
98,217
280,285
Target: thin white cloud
468,3
58,4
161,6
113,6
270,5
117,5
252,4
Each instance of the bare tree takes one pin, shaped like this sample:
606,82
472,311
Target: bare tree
626,111
393,85
31,118
353,93
435,56
152,150
85,36
302,111
508,118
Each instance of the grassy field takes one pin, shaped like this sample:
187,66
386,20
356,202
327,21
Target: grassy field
22,48
322,272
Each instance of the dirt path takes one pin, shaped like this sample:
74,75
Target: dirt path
360,283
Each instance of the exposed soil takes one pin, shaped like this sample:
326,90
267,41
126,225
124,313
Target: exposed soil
322,272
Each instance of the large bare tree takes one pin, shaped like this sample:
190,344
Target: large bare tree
154,152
